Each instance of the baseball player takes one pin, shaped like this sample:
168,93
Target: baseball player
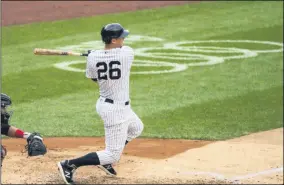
110,68
35,144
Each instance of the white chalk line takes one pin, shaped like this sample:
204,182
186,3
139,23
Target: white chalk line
240,53
251,175
236,179
144,63
97,44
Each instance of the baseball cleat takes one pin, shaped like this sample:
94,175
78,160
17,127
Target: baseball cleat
108,169
66,171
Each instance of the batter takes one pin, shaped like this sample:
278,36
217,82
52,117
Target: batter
110,68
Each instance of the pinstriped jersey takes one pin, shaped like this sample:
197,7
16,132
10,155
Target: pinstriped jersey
111,68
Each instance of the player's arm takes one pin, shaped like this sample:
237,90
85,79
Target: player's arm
91,68
34,145
5,129
128,54
9,130
12,131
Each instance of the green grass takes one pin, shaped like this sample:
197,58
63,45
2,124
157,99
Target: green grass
225,114
221,101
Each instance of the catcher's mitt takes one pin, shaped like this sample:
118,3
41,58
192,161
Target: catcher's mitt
35,145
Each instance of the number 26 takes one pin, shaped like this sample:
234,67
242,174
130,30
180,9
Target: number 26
114,73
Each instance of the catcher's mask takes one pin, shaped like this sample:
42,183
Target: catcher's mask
5,103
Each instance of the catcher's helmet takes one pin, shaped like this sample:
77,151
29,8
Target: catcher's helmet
5,115
111,31
5,100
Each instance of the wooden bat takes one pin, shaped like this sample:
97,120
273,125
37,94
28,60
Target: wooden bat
41,51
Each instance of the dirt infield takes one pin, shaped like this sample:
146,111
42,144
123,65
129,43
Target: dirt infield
22,12
156,148
256,158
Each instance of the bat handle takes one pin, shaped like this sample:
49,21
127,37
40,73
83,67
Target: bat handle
86,54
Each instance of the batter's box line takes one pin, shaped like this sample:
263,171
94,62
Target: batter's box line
251,175
237,179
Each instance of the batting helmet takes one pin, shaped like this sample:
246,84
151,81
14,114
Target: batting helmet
113,31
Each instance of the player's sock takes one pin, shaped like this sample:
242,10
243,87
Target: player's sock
89,159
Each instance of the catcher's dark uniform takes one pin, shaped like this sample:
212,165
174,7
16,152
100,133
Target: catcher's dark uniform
34,146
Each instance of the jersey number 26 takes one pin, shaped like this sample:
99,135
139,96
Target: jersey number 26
114,73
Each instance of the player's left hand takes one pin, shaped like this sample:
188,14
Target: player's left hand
35,145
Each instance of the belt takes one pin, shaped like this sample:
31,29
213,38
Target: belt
111,101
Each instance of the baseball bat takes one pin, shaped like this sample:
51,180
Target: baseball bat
41,51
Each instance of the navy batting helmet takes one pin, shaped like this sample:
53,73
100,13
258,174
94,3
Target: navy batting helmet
113,31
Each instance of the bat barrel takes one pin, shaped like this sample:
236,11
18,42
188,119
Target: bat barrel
41,51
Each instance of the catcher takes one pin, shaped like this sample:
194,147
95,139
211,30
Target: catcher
34,145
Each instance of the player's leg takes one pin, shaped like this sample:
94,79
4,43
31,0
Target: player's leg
3,153
116,126
135,127
115,136
108,168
